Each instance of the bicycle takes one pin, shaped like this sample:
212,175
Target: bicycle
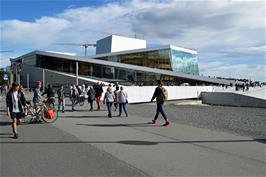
31,114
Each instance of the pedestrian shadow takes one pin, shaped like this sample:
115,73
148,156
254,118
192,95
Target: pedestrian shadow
81,117
86,110
5,123
137,142
119,125
263,141
1,134
6,135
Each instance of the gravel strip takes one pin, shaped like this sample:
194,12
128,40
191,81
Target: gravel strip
250,122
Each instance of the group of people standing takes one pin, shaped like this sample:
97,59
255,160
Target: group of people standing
118,98
16,102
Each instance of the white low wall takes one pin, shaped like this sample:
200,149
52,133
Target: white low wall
138,94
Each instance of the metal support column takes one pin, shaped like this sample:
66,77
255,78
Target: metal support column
28,81
77,73
43,79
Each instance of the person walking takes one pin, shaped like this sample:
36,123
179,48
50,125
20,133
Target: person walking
15,102
160,95
122,99
50,95
116,93
61,98
49,92
73,96
98,90
91,97
109,99
5,89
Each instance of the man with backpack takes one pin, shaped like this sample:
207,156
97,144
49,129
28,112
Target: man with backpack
161,95
98,90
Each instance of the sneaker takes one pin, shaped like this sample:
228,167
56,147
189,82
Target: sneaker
15,135
153,121
166,123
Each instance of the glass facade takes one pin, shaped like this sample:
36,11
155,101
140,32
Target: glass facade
106,73
184,62
168,59
30,60
154,59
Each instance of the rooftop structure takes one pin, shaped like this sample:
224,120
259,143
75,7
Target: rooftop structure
115,43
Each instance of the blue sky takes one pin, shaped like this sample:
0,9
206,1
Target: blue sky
228,35
33,9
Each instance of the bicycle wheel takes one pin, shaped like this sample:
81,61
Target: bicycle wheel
27,119
29,115
48,119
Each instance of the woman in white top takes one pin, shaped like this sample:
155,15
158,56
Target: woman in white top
109,99
122,99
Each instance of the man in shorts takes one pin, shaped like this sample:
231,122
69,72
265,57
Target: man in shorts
15,102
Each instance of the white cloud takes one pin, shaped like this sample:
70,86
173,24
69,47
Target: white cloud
248,50
218,28
40,32
220,69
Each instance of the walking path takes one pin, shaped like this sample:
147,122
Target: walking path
89,144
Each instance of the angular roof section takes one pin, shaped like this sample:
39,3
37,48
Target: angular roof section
192,51
128,66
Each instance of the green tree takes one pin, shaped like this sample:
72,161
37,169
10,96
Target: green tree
2,81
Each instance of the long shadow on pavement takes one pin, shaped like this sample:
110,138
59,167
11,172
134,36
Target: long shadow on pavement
135,142
82,117
5,123
119,125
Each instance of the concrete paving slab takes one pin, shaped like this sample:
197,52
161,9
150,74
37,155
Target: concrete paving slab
170,151
86,143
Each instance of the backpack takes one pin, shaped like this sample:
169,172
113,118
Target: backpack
49,114
165,93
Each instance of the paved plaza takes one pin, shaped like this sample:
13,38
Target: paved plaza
201,141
